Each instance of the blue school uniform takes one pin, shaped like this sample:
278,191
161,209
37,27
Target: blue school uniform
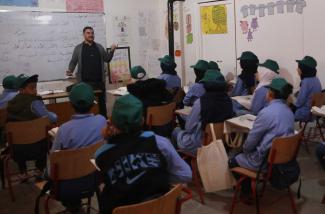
259,100
309,86
39,108
6,96
81,131
178,170
239,89
172,81
196,91
275,120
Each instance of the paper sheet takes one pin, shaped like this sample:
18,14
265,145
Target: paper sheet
119,92
245,101
242,124
42,93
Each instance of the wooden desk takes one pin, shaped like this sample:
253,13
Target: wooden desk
185,111
245,101
55,96
118,92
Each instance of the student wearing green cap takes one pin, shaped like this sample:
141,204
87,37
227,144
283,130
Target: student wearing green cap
82,130
246,80
138,73
196,90
136,165
169,74
214,65
10,90
213,107
27,105
309,85
275,120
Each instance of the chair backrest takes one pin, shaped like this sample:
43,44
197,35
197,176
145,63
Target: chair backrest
164,204
284,149
3,117
318,99
73,163
218,130
160,115
27,132
179,96
64,111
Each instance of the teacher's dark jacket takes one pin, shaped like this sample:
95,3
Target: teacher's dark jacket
77,59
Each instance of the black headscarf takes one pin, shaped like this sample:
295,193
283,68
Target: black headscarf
168,69
249,69
306,71
199,75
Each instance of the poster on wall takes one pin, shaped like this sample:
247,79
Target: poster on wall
89,6
122,30
214,19
19,3
120,65
53,4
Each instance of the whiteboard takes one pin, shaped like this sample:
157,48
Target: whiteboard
278,36
42,42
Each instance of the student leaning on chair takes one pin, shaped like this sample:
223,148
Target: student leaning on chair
136,165
275,120
9,84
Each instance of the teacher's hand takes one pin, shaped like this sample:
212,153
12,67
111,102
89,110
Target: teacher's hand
69,73
113,47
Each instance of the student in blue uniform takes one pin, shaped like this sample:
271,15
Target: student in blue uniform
213,107
136,165
267,71
246,83
28,106
169,74
275,120
10,87
138,73
197,90
320,154
82,130
309,85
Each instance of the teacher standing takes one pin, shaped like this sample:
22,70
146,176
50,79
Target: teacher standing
90,57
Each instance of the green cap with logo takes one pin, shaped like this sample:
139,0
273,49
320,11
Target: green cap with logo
201,65
127,113
82,95
10,82
280,85
248,55
213,75
213,65
23,80
271,64
308,61
168,61
138,72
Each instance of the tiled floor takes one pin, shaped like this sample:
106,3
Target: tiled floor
313,189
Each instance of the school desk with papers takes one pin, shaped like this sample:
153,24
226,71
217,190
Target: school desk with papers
245,101
118,92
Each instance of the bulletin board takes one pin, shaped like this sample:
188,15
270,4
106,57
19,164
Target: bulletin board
120,65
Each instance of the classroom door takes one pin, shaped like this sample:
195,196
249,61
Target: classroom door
216,33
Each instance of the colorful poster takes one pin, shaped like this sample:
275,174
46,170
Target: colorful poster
90,6
19,3
119,66
214,19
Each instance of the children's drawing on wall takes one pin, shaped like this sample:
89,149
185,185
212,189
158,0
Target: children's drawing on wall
250,27
121,34
214,19
189,34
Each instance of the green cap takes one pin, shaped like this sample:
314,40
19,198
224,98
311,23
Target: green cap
271,64
127,113
10,82
213,65
279,84
23,80
308,61
168,61
201,65
138,72
82,95
213,75
247,55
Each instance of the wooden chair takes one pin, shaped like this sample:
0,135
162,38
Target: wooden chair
169,203
65,111
318,100
23,133
3,117
160,115
69,165
283,150
207,139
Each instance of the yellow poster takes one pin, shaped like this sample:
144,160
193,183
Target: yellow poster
214,19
